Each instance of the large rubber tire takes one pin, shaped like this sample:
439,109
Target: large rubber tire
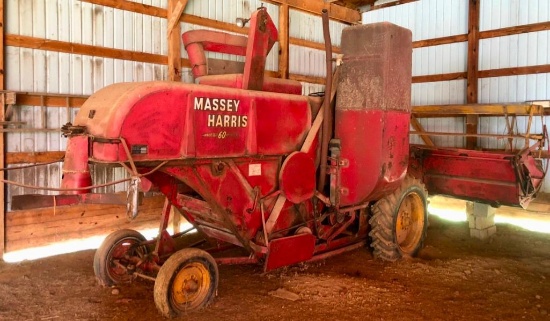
188,280
115,247
400,221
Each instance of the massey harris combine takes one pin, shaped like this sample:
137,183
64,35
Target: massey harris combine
257,167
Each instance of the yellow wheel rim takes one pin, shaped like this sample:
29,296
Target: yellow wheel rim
190,286
410,223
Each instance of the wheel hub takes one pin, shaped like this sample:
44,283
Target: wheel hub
190,285
410,222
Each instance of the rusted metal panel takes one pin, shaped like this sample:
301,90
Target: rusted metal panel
495,178
301,246
373,110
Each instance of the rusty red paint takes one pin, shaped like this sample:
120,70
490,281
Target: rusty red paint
301,246
373,110
76,172
494,178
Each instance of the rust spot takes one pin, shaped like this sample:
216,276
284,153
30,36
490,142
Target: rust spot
98,11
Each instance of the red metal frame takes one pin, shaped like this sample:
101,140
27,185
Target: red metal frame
494,178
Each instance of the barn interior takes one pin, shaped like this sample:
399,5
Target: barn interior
479,88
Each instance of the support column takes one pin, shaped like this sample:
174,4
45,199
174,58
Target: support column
283,40
481,219
2,152
175,10
472,72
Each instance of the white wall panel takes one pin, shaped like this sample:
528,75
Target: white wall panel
72,73
496,14
426,19
307,61
441,93
310,27
440,59
229,10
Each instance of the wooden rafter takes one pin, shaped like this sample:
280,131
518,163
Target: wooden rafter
335,12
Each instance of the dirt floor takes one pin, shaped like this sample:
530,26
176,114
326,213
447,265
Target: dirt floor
454,278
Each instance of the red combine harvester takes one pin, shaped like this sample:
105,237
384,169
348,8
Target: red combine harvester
245,159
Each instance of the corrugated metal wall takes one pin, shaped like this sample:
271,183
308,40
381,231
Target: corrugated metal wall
429,19
513,51
79,22
307,61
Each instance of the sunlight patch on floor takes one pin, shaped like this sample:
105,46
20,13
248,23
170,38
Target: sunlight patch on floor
537,223
72,246
448,214
534,225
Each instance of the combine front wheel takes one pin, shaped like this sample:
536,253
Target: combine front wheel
110,258
187,280
399,222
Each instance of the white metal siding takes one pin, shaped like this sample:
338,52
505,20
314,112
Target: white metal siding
428,19
308,61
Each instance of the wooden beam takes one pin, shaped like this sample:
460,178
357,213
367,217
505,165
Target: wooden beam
2,147
418,127
39,227
390,4
313,45
440,41
74,48
440,77
335,12
131,6
478,109
499,136
308,79
472,73
50,100
534,27
2,165
173,14
514,71
284,40
33,157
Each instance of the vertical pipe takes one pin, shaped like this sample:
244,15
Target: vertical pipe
327,114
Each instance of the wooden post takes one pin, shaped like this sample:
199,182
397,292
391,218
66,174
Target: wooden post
472,73
2,152
283,40
174,12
